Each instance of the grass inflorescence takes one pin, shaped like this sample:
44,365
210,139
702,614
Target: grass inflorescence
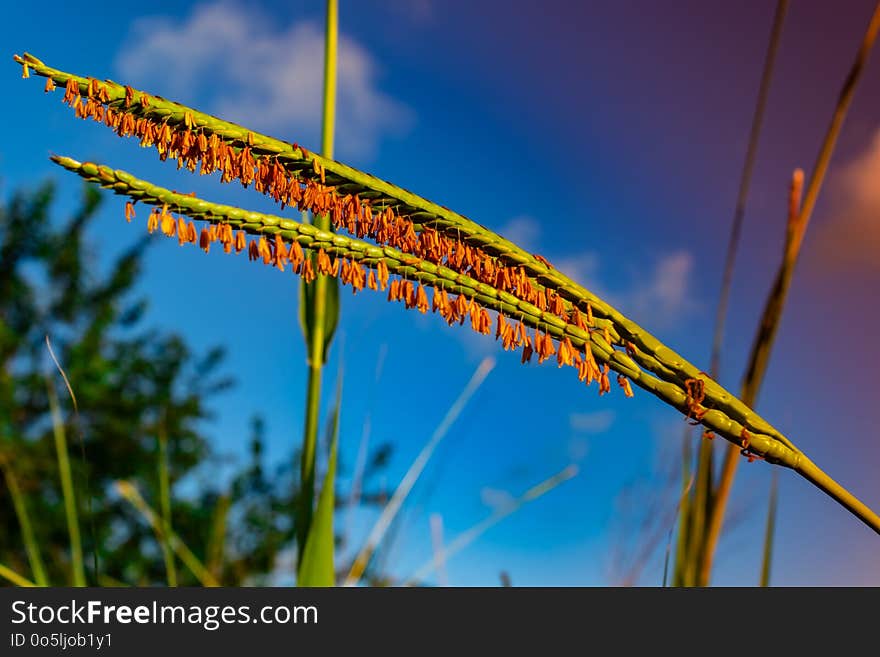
414,245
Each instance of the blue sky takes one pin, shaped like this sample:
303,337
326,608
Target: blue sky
606,136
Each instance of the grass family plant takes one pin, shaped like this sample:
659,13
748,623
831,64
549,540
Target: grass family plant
416,253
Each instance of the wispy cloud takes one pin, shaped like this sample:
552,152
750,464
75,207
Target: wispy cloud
658,296
850,238
523,231
240,65
664,295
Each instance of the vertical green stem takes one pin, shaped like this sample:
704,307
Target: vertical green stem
24,521
678,578
329,111
317,335
699,505
770,529
70,509
165,506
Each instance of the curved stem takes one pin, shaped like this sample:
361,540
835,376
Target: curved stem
812,473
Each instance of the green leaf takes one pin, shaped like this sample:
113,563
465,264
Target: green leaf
307,318
316,567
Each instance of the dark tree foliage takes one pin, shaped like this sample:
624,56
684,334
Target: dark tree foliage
130,382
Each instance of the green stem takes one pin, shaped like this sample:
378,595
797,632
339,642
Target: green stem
328,125
317,336
686,513
812,473
27,531
165,506
70,509
770,529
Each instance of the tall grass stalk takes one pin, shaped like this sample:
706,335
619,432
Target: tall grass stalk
677,517
127,490
771,316
761,348
770,530
24,521
318,300
415,470
71,512
165,505
216,551
469,536
705,466
685,512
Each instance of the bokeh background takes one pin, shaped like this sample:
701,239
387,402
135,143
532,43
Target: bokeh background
608,137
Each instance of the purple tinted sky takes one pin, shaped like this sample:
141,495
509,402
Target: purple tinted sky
610,137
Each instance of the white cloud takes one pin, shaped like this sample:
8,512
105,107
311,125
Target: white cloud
582,268
850,238
263,75
665,295
657,297
522,231
594,422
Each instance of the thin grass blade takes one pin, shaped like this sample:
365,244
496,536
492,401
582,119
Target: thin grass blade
127,490
24,521
464,539
11,576
415,470
317,564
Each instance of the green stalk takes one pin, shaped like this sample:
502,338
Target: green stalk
316,336
70,508
217,544
27,531
317,565
770,530
165,506
686,512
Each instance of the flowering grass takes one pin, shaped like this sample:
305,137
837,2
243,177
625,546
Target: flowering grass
406,245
